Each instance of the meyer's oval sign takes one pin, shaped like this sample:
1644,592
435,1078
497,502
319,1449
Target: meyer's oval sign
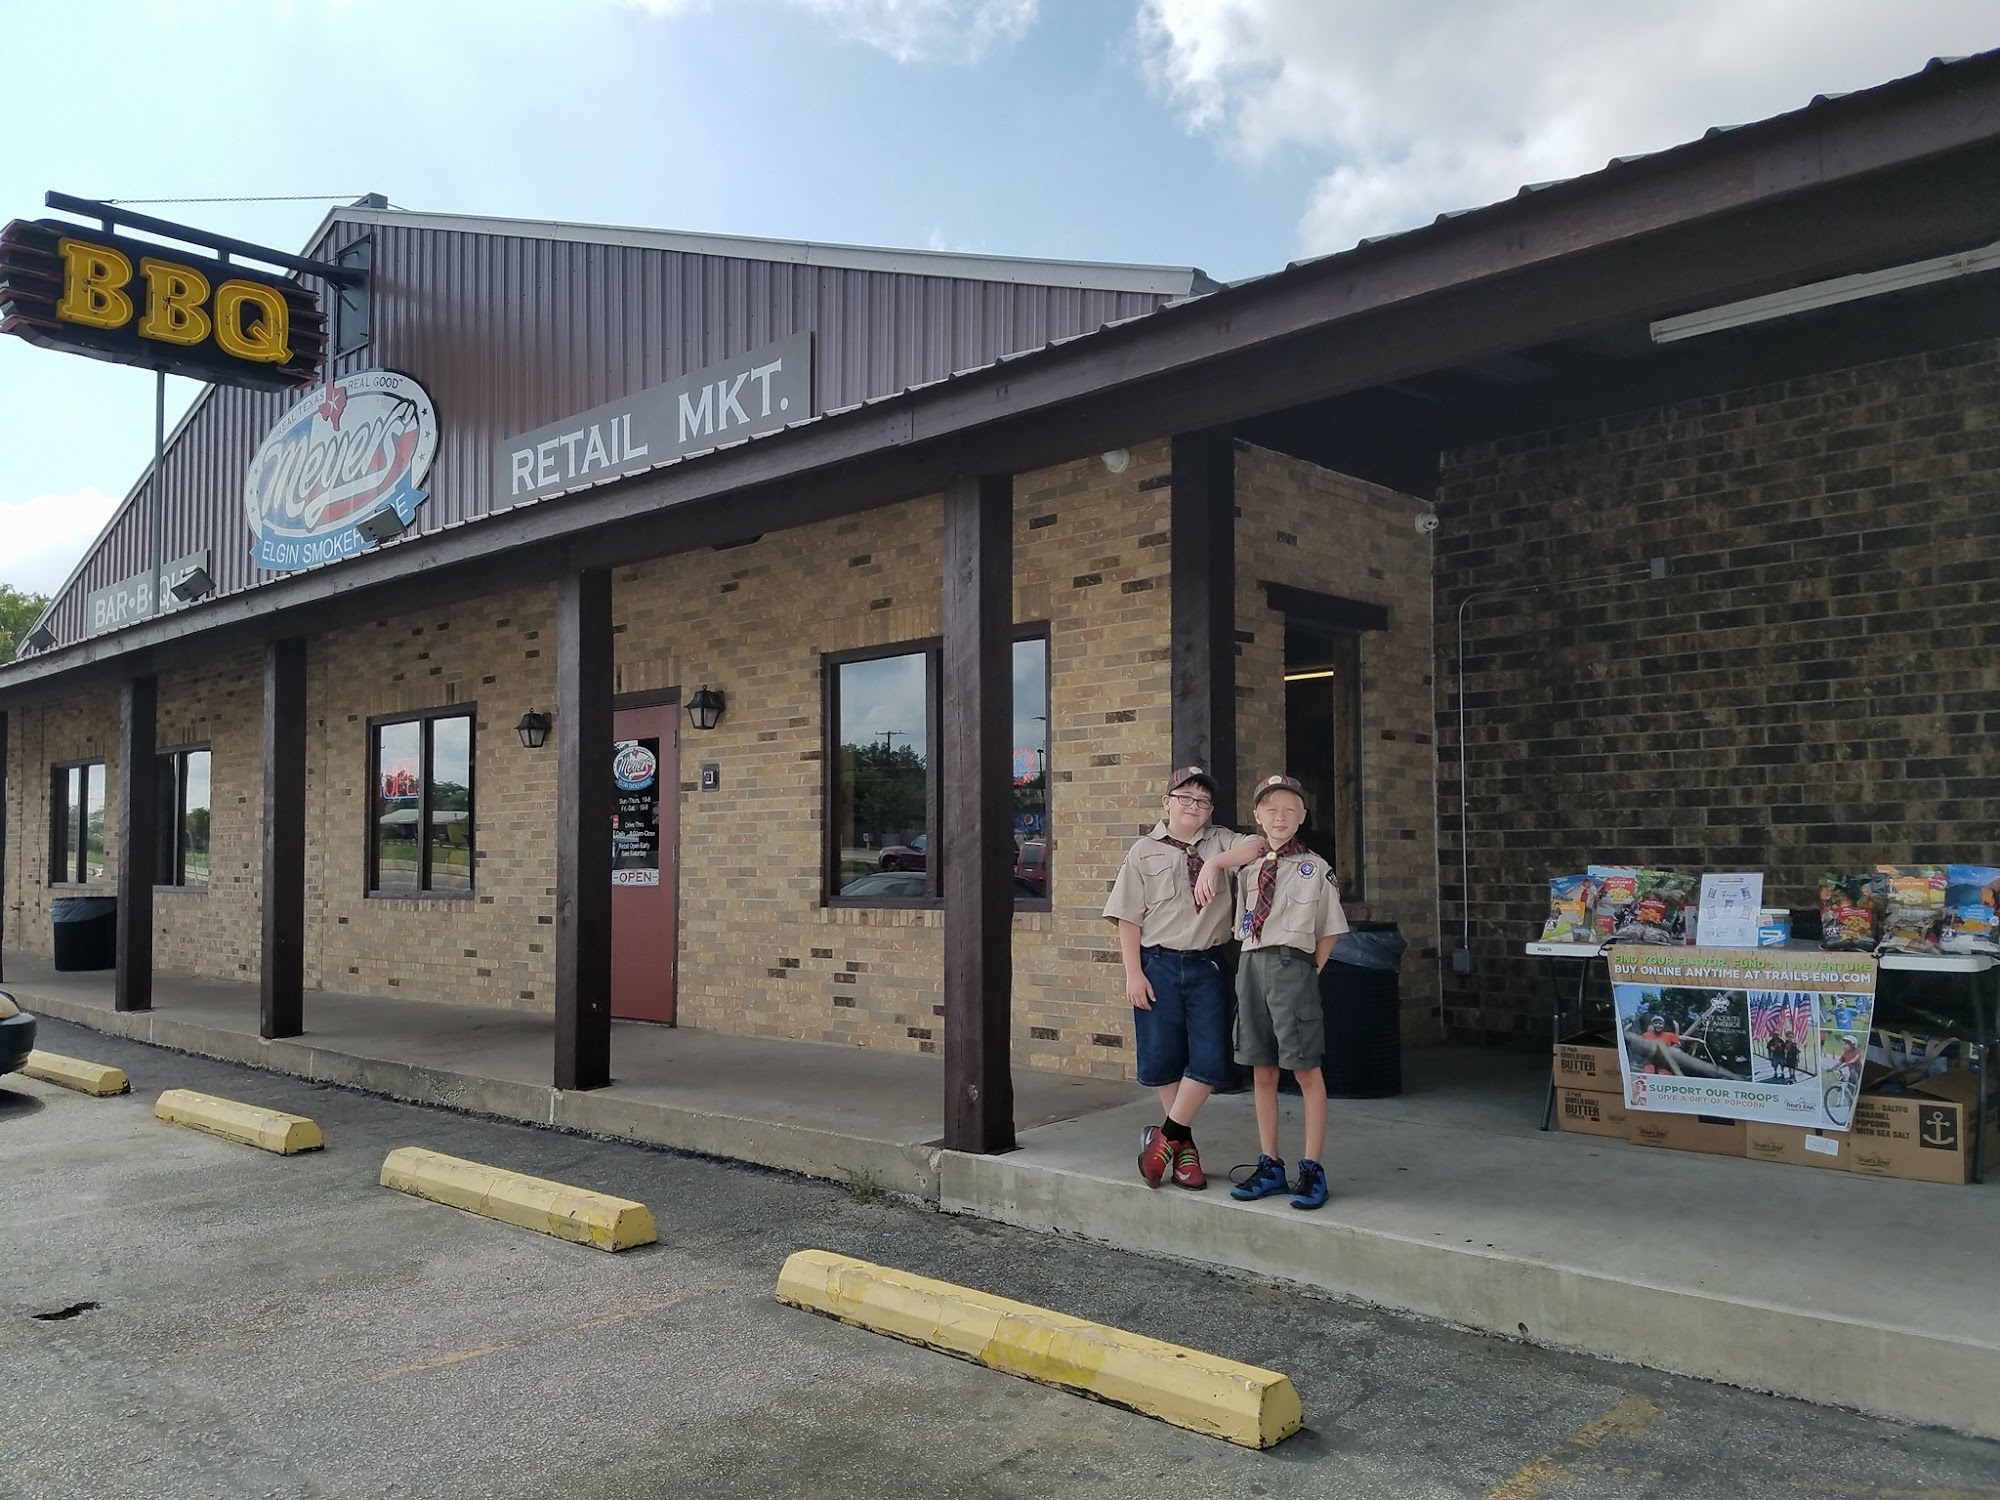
357,447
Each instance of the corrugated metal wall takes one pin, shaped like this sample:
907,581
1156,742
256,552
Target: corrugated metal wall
508,333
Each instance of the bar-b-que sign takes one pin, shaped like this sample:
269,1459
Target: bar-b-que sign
754,393
87,291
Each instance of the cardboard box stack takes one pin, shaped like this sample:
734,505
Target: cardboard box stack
1922,1133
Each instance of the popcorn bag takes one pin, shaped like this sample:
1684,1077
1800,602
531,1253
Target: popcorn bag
1846,913
1569,910
1911,900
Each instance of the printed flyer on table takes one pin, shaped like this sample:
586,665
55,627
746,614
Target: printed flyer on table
1769,1034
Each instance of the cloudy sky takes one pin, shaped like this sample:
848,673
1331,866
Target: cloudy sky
1227,134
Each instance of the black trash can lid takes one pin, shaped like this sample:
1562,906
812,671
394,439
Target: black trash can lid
81,908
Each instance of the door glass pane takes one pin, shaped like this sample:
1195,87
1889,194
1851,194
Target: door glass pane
881,774
93,822
451,804
635,812
399,799
1031,768
194,820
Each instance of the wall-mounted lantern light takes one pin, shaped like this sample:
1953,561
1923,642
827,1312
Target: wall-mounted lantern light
40,638
534,730
705,708
196,585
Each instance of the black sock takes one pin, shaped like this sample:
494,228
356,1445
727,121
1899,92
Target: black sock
1176,1132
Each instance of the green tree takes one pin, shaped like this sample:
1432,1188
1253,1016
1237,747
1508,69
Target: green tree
888,791
18,612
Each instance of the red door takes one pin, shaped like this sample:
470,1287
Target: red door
645,828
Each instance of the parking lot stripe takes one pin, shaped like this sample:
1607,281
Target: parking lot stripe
1204,1393
569,1213
248,1124
96,1079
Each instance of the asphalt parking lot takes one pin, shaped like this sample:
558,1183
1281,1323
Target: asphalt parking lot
184,1317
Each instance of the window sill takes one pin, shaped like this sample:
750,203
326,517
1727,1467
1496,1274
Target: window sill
1038,916
183,890
418,897
83,887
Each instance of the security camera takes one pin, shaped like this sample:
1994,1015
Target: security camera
1427,522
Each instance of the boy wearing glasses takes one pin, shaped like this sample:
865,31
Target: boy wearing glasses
1174,950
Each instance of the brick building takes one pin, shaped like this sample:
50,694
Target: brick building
1053,527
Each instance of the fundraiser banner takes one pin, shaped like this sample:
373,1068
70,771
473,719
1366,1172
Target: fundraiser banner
1768,1034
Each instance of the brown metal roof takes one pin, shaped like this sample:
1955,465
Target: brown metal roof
511,325
1908,168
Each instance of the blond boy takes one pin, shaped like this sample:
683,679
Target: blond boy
1288,915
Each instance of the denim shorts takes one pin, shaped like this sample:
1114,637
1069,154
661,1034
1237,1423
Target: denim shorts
1186,1033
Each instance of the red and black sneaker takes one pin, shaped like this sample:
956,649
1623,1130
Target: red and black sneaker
1156,1155
1187,1168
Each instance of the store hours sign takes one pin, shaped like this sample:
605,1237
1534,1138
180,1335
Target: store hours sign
352,449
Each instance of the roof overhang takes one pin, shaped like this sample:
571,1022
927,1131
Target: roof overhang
1901,172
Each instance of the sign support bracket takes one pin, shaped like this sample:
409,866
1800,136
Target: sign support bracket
155,542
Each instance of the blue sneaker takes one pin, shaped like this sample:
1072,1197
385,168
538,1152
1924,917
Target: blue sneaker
1267,1180
1312,1185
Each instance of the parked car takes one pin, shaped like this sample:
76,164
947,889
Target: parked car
1031,864
910,856
17,1034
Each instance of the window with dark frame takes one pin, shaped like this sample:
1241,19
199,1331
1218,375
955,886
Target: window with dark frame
352,304
420,805
1323,741
183,801
76,823
883,793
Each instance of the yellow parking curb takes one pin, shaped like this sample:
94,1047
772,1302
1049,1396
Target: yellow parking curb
568,1213
1201,1392
97,1079
248,1124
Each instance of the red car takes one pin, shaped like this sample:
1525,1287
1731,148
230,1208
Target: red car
908,856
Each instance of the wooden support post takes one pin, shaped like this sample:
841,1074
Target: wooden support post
1203,616
138,841
281,1010
583,830
978,823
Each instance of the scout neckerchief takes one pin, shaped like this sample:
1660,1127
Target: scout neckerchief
1267,884
1193,859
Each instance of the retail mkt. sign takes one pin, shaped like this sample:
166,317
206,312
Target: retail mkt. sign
1776,1035
86,291
754,393
353,448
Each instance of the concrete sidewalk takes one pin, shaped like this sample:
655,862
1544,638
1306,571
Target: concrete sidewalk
1448,1202
843,1113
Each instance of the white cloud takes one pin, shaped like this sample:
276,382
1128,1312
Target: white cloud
958,31
1417,109
43,538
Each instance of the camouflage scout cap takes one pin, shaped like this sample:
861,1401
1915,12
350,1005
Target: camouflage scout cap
1277,784
1185,774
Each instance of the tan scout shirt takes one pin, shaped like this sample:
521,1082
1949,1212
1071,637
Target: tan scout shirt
1152,890
1304,908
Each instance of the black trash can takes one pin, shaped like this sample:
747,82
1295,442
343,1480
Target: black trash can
86,931
1360,991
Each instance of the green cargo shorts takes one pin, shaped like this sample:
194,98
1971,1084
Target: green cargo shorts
1278,1018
